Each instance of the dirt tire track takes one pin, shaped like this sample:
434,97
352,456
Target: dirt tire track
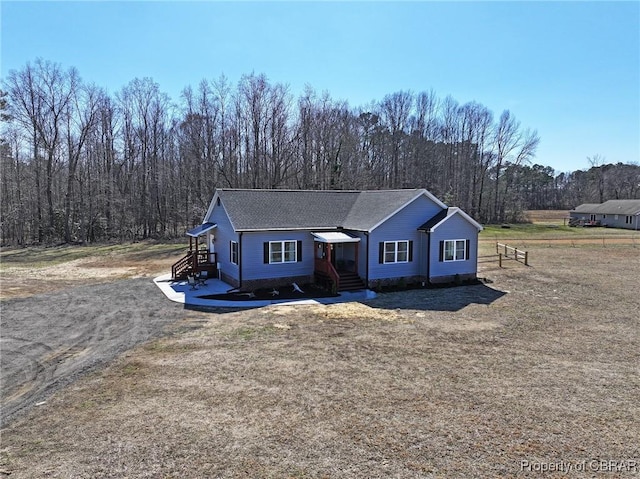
24,371
49,340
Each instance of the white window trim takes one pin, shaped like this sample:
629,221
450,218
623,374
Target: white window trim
237,261
395,252
455,250
282,250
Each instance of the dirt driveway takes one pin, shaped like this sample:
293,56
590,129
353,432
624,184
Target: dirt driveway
48,340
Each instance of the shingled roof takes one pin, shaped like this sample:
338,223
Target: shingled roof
258,210
586,208
444,215
611,207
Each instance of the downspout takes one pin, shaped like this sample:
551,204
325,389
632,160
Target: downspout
366,269
240,261
428,233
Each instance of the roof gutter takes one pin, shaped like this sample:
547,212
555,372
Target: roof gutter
306,228
240,261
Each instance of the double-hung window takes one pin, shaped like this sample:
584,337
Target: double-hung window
455,250
396,251
234,252
283,251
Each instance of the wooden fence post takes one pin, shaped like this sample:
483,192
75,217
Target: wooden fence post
500,259
526,258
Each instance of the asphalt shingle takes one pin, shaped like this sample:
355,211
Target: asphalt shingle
611,207
312,209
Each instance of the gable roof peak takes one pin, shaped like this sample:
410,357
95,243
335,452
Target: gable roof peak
431,225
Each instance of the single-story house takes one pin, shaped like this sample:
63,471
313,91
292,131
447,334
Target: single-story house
348,239
612,213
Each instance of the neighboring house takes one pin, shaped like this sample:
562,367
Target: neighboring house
259,238
612,213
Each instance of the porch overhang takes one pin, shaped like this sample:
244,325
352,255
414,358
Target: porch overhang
201,229
334,237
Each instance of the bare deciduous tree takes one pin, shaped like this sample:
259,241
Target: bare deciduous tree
79,164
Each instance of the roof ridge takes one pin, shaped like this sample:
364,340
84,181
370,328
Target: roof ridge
286,190
294,190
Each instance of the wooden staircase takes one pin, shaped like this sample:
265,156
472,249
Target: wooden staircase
348,281
192,263
182,267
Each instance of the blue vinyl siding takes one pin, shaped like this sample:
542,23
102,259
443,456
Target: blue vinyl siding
224,234
362,253
253,266
455,228
402,226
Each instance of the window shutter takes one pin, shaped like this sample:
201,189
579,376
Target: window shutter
231,251
381,252
441,250
265,246
410,250
299,255
467,248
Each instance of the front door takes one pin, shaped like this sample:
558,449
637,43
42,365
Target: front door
342,256
345,257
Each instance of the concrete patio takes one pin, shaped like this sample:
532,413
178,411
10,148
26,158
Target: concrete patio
181,292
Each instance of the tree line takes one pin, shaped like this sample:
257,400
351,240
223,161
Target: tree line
81,165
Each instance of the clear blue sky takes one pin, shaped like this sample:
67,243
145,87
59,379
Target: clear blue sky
571,70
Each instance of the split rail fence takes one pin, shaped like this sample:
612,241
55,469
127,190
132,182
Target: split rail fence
509,252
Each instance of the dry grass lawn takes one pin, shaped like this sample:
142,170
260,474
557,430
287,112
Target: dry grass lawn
547,216
28,271
544,366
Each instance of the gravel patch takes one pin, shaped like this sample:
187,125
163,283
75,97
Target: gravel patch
49,340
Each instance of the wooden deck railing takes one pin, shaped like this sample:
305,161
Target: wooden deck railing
205,257
194,261
327,268
182,265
